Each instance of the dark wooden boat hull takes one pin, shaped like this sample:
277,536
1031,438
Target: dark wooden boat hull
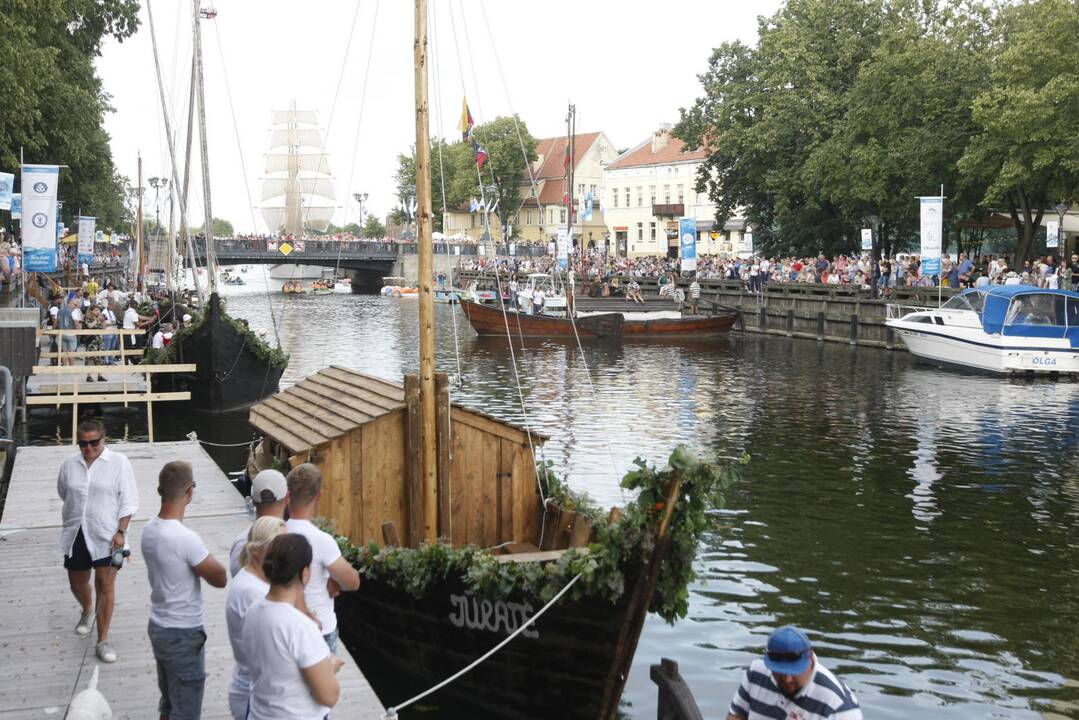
559,668
489,320
229,376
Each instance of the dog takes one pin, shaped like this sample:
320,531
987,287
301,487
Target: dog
89,704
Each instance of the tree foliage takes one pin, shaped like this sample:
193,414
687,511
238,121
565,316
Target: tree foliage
54,104
847,109
455,177
373,229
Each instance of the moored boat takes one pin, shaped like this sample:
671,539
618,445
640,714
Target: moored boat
998,328
490,320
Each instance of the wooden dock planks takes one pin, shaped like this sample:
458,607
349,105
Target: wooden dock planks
40,654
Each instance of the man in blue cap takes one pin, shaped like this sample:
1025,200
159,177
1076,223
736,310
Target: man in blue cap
789,684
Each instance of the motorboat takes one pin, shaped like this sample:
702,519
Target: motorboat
997,328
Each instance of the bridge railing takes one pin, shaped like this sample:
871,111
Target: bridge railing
256,248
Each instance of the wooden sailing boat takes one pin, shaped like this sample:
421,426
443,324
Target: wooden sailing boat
433,484
235,367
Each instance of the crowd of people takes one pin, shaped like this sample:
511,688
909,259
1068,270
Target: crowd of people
756,272
281,577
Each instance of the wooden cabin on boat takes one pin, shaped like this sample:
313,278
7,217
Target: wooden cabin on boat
363,432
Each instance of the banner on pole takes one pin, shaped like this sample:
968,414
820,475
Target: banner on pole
513,249
687,233
1052,234
7,184
932,227
39,205
16,206
563,249
588,206
867,239
87,230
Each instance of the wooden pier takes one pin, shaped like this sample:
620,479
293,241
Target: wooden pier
43,663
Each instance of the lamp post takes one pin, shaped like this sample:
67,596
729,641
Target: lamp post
360,199
606,244
1062,208
158,184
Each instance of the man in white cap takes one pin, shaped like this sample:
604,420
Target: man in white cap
788,682
269,493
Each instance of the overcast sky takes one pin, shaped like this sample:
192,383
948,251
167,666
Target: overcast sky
628,66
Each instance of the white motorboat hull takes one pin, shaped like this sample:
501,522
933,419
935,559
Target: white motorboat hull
971,347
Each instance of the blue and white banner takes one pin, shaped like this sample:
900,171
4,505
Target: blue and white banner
588,206
7,185
39,208
932,215
687,233
87,230
16,206
867,239
563,249
1052,234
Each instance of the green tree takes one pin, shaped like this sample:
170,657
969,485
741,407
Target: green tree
223,228
54,103
1026,152
373,229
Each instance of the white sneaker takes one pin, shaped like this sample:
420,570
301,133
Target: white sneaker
86,621
105,653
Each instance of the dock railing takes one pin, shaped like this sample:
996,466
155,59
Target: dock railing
66,394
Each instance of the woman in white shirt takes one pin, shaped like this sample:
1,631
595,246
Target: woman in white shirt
293,672
247,587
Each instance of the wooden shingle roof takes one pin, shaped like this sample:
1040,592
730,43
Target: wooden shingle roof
326,405
335,401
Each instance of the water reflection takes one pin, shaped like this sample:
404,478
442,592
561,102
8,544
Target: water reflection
919,523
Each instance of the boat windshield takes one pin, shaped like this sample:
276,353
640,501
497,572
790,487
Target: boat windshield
967,301
1038,309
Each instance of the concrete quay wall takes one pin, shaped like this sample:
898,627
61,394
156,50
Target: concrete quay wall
805,310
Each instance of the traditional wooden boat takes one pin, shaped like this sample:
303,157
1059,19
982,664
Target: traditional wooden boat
235,367
490,320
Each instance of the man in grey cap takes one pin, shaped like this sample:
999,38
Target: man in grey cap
269,493
789,683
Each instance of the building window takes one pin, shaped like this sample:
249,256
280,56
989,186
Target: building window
640,232
640,196
652,194
592,189
666,194
580,189
627,197
614,198
681,195
562,215
652,231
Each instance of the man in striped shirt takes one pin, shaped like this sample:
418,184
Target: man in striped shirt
789,684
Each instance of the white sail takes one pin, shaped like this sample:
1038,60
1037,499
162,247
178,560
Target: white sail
298,190
285,137
307,160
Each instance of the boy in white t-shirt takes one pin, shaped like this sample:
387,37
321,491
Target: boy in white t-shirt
330,571
176,560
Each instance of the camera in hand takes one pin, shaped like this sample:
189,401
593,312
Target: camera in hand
118,556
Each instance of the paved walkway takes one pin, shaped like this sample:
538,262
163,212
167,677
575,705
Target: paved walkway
43,662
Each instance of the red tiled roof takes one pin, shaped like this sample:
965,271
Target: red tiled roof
553,151
673,152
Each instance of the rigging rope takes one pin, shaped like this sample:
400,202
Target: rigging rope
391,712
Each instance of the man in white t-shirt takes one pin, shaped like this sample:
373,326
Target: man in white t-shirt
269,494
304,490
176,560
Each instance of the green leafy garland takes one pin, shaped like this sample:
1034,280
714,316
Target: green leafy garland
259,347
619,547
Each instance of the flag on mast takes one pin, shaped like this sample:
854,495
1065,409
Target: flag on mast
465,126
481,154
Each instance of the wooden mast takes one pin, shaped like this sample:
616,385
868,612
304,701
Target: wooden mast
211,256
428,453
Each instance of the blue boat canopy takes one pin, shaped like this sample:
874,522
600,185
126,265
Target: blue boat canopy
1026,311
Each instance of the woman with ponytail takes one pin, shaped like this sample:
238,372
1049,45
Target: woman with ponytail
248,586
293,672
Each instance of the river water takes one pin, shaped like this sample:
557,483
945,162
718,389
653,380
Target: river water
920,524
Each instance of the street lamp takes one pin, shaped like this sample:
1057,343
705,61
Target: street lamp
606,243
1062,208
360,199
158,184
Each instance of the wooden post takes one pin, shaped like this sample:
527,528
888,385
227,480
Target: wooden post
413,461
854,329
790,323
820,326
427,446
676,701
149,408
445,445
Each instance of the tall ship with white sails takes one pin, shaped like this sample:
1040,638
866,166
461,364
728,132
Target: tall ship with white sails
298,189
